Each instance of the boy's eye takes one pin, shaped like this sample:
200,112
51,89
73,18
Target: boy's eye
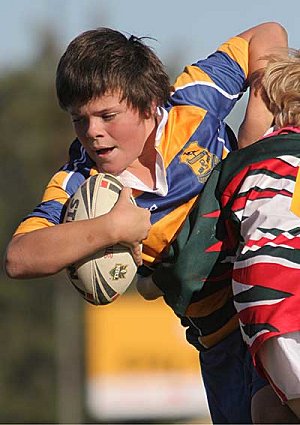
109,117
105,117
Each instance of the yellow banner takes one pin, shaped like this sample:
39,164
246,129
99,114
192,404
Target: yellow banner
133,335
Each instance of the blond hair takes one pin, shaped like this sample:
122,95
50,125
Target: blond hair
281,82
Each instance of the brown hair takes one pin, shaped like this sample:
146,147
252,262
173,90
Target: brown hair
103,61
281,82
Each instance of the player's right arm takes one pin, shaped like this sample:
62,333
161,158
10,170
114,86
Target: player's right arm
47,251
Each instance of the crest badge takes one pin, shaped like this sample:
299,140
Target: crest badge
118,272
200,160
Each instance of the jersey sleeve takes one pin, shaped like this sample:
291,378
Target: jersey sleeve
60,188
51,209
217,82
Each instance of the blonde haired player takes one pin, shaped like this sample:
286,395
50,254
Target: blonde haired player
244,235
279,356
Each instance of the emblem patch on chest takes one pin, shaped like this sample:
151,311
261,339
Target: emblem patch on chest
200,160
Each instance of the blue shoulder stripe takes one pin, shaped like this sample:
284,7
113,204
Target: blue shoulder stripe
225,72
219,96
75,180
52,211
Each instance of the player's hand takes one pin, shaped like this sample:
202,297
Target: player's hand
136,250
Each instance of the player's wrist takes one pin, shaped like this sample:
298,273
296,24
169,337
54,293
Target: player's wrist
103,231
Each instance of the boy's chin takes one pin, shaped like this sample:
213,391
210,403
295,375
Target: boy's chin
110,170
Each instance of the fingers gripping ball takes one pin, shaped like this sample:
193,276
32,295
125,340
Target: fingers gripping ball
102,277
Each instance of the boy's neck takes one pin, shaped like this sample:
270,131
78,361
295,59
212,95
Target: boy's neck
144,166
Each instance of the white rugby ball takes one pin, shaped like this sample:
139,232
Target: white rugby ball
102,277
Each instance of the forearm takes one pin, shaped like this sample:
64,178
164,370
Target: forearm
47,251
264,40
258,119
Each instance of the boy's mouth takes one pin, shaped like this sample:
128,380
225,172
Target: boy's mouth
104,151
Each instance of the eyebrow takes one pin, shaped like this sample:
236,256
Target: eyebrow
101,111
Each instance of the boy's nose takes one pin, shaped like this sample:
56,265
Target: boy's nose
94,128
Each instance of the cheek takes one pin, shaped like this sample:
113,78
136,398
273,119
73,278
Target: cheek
133,146
133,137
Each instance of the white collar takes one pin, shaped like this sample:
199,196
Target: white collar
161,112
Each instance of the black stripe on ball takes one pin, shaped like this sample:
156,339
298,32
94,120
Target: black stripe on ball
102,299
92,182
114,188
85,198
108,289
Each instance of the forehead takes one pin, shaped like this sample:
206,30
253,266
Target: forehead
102,103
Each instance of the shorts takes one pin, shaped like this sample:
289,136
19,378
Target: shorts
230,380
280,359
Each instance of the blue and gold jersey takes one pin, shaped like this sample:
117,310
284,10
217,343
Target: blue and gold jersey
194,139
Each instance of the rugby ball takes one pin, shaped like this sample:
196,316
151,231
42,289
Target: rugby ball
102,277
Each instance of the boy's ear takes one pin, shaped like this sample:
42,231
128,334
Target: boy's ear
152,112
154,107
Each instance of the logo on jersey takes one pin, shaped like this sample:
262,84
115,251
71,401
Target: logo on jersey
200,160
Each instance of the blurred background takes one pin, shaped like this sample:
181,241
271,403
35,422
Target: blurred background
61,361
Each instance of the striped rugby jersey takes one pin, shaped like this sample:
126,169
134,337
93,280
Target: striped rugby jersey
243,234
193,140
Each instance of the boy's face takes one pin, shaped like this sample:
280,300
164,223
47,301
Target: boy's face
113,134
